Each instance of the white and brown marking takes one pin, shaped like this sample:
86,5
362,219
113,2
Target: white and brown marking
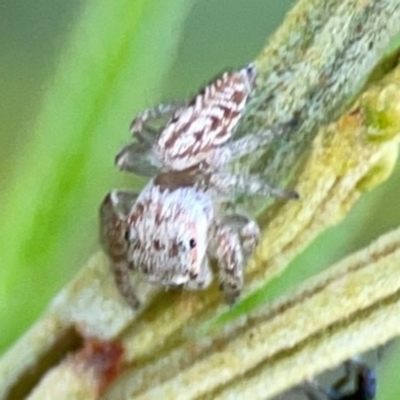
206,123
169,233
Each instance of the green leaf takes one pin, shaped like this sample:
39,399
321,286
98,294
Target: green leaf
113,66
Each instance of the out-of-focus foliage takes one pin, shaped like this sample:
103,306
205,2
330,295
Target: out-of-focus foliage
109,65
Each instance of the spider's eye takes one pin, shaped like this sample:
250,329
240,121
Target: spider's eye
192,243
126,235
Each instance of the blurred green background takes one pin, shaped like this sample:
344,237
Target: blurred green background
73,74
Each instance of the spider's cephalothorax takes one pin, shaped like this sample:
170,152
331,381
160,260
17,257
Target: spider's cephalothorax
179,221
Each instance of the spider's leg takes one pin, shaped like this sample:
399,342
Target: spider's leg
247,145
247,229
122,278
239,148
141,126
228,252
147,135
113,227
113,212
139,159
252,185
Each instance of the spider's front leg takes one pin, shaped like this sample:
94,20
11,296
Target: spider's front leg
229,255
248,231
113,228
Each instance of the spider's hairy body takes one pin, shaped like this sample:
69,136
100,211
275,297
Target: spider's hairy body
171,230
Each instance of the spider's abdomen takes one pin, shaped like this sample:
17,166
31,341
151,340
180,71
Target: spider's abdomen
206,123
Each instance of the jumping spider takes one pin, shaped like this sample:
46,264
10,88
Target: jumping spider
183,217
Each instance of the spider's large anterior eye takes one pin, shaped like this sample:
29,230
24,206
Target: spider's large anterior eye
127,235
192,243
